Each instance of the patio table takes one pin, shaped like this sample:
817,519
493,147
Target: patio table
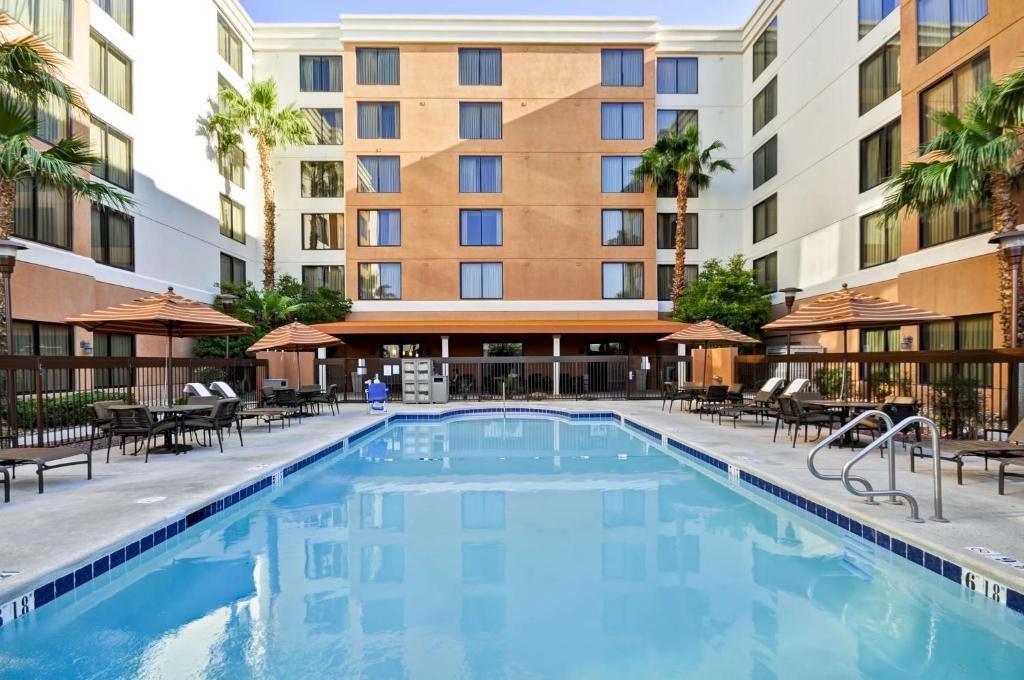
847,408
178,412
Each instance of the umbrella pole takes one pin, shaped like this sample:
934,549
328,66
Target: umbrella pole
170,368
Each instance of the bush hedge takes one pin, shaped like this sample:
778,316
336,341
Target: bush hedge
66,411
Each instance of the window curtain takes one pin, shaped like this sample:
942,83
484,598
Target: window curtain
119,160
632,68
119,80
666,230
54,23
633,280
677,75
872,81
964,13
387,66
612,233
491,280
307,66
52,118
490,121
692,234
97,62
52,217
469,66
633,121
377,120
937,226
472,281
611,280
378,174
611,121
666,272
479,120
479,174
611,67
391,281
480,228
377,66
490,67
119,240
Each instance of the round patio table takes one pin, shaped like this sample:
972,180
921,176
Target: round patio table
178,412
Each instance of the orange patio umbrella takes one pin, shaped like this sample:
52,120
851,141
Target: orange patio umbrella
846,309
709,332
295,337
167,314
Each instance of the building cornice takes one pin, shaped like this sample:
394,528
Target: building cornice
291,37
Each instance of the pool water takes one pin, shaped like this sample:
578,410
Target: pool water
530,547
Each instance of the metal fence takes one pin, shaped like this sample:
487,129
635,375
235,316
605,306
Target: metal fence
965,392
524,378
47,401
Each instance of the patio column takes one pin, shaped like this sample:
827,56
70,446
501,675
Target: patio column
556,351
444,355
681,366
321,353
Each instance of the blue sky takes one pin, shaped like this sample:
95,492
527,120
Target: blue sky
691,12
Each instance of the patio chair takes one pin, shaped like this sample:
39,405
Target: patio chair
897,408
714,398
686,393
102,419
289,399
7,484
735,393
330,398
137,422
224,415
44,459
269,396
793,413
1003,474
376,397
761,405
1012,448
222,389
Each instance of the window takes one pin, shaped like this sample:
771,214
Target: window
666,273
766,218
112,345
667,231
395,351
481,280
480,227
232,270
880,75
319,74
324,276
42,213
110,72
113,238
377,65
231,164
677,75
622,121
622,227
766,272
479,120
380,227
766,47
948,224
378,174
53,119
229,45
952,93
119,10
962,332
871,12
622,68
765,105
115,152
323,231
479,66
880,340
48,19
617,175
48,340
766,162
377,120
880,155
479,174
322,179
622,280
326,125
380,281
232,219
879,240
675,120
939,21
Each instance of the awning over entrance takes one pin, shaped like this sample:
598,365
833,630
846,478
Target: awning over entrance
495,326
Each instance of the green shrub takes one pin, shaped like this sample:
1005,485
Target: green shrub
209,374
829,381
66,411
956,406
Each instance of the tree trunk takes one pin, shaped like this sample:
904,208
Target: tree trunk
8,194
269,212
678,282
1004,218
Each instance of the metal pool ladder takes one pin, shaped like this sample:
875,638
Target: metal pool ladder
884,440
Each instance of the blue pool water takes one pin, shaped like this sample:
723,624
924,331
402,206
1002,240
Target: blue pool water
519,548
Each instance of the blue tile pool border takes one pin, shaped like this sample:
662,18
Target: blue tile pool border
81,574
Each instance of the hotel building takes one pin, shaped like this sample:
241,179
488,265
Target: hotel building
468,181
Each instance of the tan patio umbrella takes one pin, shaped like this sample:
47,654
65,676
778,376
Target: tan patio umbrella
845,309
295,337
166,314
709,333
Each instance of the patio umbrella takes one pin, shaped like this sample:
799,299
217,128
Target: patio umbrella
166,314
295,337
709,333
845,309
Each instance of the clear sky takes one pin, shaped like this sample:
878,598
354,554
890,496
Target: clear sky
689,12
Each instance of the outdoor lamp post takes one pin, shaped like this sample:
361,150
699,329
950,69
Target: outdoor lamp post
790,294
227,302
8,258
1012,243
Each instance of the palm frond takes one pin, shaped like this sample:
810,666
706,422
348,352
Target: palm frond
30,69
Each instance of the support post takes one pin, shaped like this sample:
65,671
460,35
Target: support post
556,371
444,355
681,365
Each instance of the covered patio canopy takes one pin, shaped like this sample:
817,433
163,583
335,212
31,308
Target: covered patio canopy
499,326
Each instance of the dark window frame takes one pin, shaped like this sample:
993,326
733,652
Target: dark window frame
771,279
643,274
312,185
921,47
759,50
105,237
478,50
233,39
769,156
669,230
361,242
771,201
69,215
322,58
891,257
376,52
67,45
770,104
107,130
235,263
462,275
105,90
885,53
303,229
325,270
951,75
622,52
890,154
231,232
105,6
359,280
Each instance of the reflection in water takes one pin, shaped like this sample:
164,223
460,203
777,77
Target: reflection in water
515,548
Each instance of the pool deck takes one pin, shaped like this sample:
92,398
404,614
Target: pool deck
44,535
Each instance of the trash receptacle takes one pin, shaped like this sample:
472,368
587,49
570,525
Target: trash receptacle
439,390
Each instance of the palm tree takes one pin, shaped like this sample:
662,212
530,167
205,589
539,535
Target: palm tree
259,116
29,69
679,157
974,158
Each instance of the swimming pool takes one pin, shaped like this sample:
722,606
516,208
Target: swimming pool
526,547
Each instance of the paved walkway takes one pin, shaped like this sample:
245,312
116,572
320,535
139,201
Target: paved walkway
76,518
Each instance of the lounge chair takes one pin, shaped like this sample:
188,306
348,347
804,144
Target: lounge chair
222,389
761,405
376,397
44,459
224,415
197,390
1003,474
735,394
1013,447
137,422
798,385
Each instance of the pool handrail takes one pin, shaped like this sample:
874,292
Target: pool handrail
840,433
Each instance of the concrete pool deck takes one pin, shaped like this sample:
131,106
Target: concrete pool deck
75,519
